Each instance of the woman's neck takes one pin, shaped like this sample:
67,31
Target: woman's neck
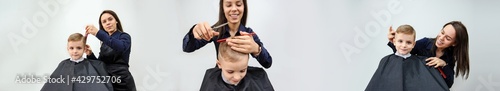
111,32
439,52
439,49
233,28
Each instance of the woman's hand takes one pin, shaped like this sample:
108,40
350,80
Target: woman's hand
391,34
88,51
244,43
203,30
91,29
436,62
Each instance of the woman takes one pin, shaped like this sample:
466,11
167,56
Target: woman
233,12
115,50
450,47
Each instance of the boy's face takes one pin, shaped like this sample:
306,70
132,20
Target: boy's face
76,49
233,71
404,43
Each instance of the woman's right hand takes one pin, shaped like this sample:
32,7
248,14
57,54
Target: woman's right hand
204,31
391,34
91,29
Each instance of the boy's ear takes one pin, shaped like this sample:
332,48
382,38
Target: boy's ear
218,64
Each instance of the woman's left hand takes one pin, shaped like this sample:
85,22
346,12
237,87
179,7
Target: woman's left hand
244,43
91,29
436,62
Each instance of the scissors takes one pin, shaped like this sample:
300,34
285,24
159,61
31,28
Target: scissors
219,26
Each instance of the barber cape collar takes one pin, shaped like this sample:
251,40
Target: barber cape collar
76,60
402,55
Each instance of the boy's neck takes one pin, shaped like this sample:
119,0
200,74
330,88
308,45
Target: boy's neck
76,60
402,55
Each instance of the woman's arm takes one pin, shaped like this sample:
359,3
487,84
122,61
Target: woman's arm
190,44
91,56
391,45
120,44
263,56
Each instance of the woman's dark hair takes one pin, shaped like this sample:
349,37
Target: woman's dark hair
461,48
118,25
222,17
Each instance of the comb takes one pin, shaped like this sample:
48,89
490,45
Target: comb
224,40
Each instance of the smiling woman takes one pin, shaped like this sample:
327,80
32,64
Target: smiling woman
115,49
450,47
237,37
233,12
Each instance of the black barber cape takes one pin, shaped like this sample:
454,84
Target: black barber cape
255,80
396,73
84,69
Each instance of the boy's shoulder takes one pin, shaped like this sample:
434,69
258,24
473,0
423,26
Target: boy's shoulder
67,59
64,61
213,72
388,56
256,72
417,57
93,61
411,57
257,79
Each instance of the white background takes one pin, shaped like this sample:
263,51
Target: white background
304,37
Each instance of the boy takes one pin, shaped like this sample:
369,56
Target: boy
89,74
402,71
234,74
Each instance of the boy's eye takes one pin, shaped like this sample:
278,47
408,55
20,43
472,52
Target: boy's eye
79,48
400,41
408,42
241,71
230,72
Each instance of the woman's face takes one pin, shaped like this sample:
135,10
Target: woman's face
446,38
233,10
108,22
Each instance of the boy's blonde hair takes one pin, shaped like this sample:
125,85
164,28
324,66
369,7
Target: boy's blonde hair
406,29
228,54
77,37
